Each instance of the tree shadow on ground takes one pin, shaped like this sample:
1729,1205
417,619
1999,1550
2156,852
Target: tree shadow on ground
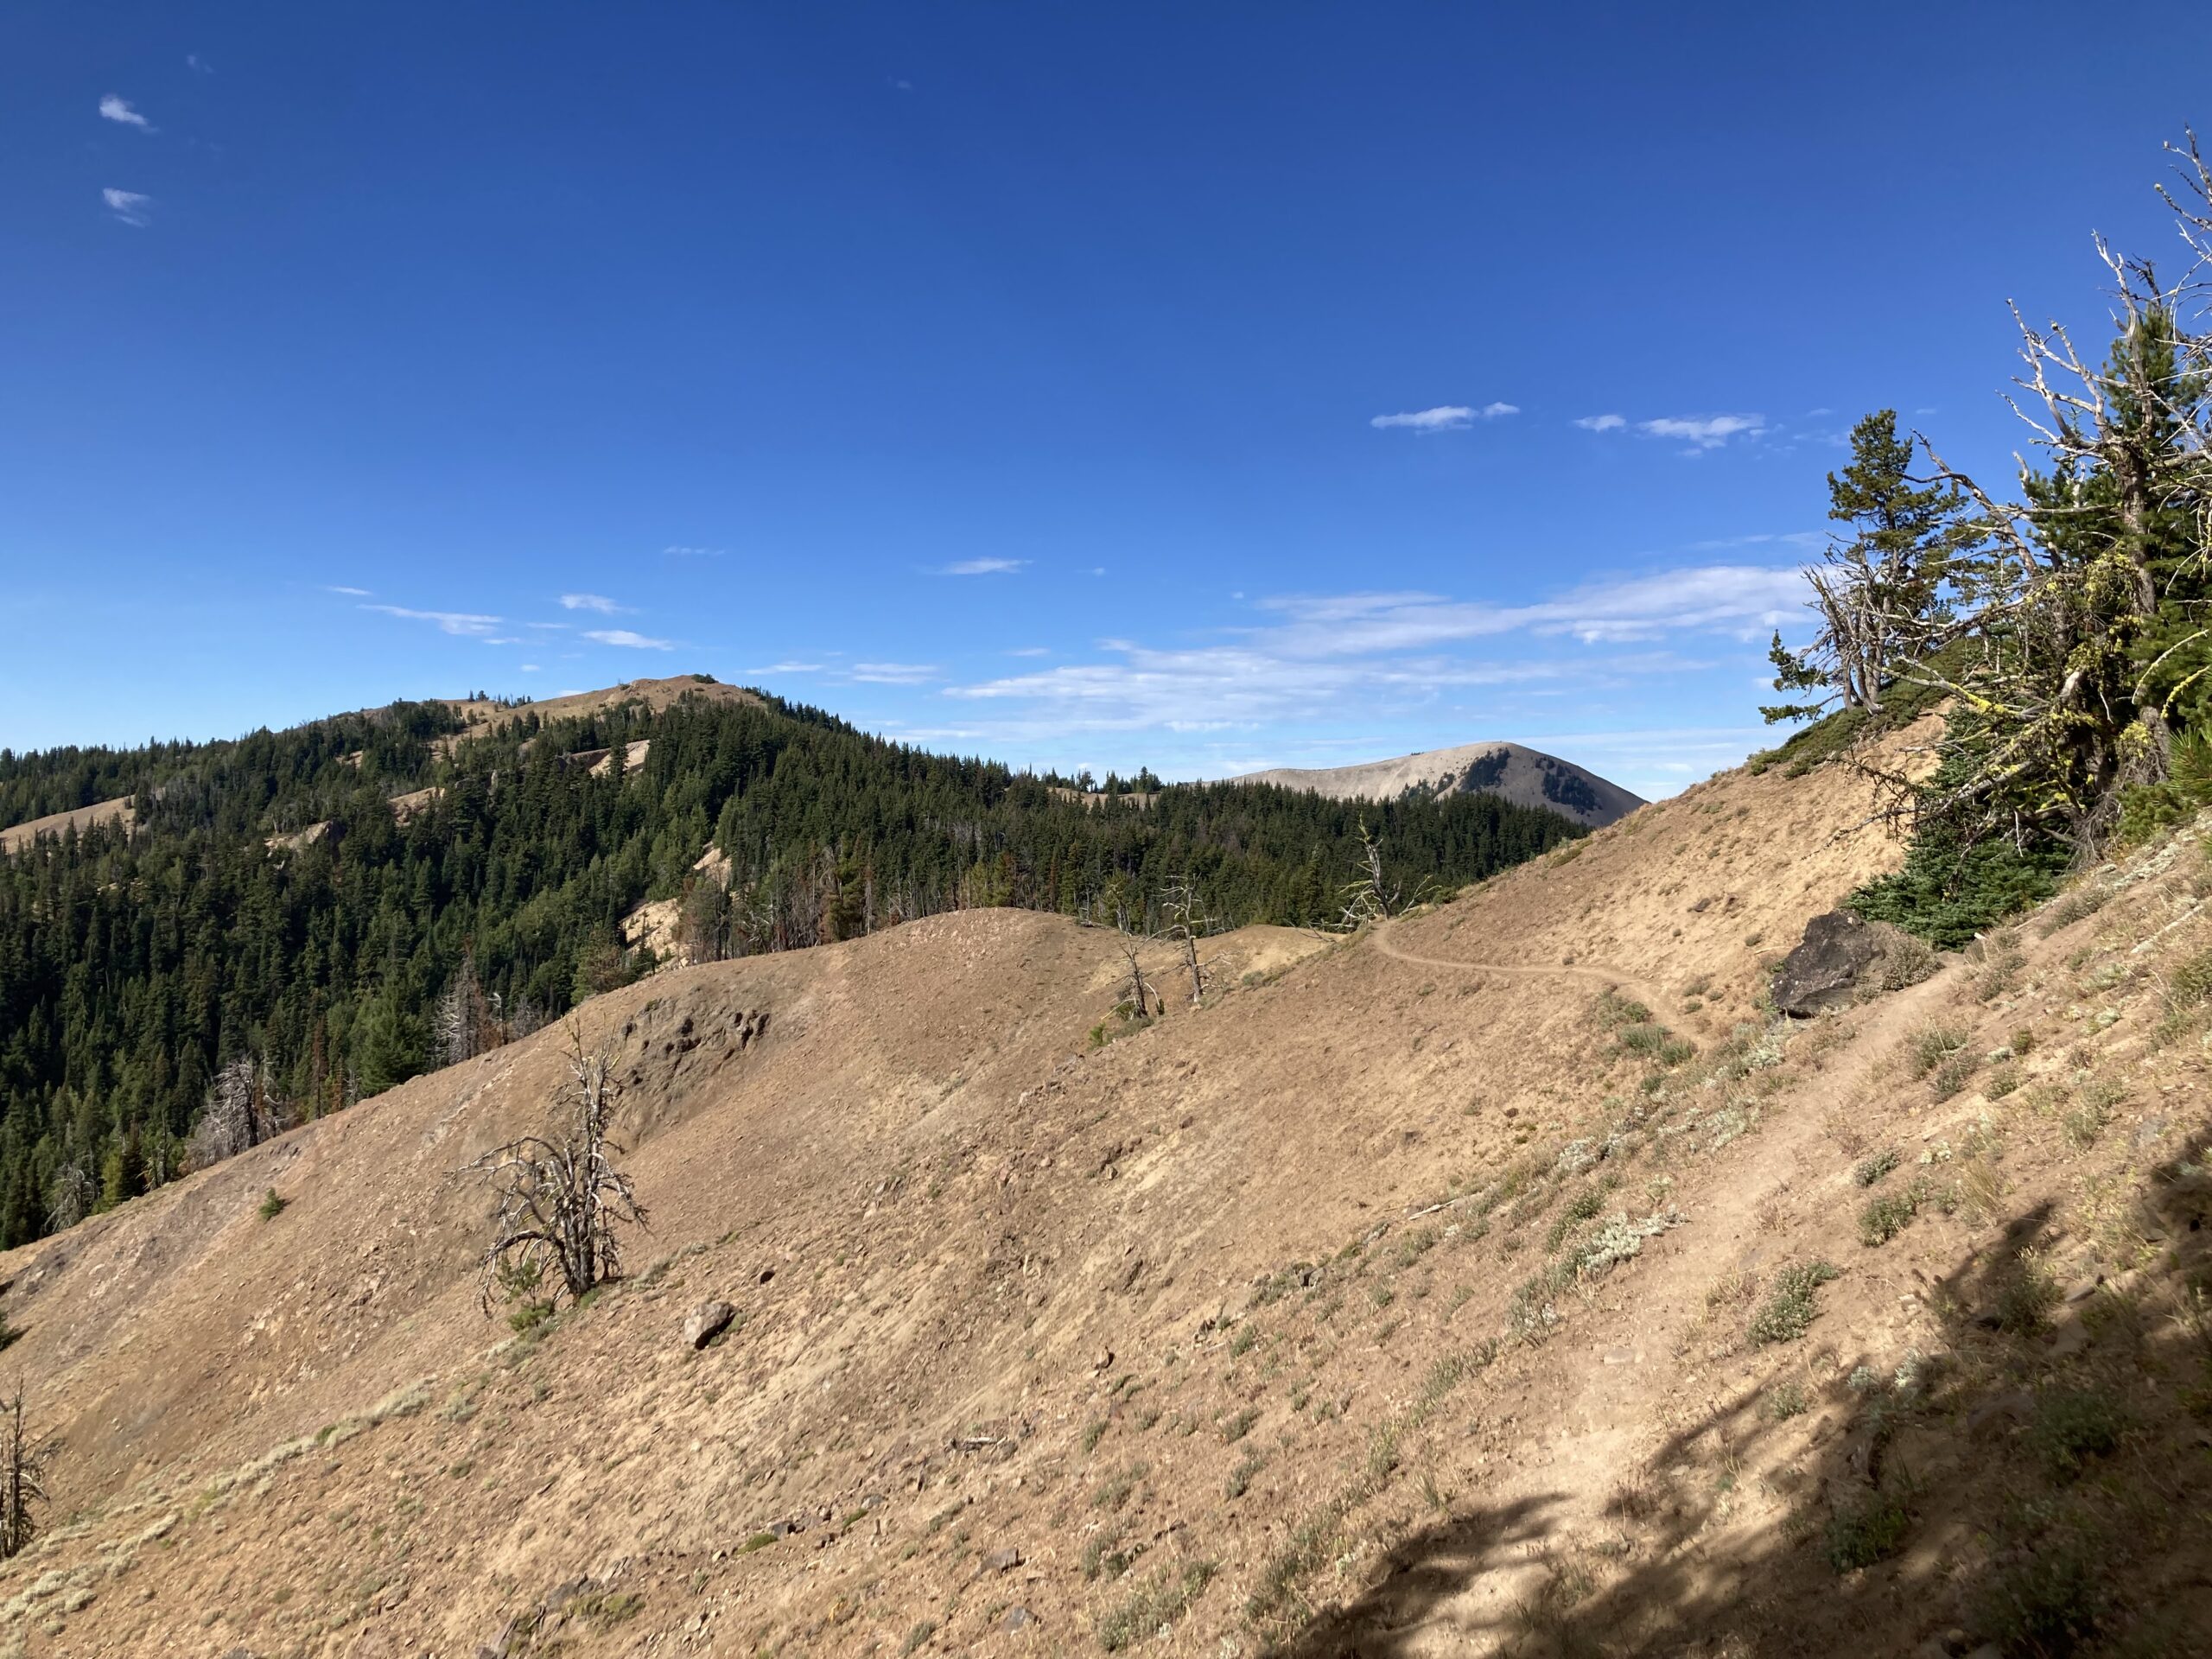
1936,1499
1420,1576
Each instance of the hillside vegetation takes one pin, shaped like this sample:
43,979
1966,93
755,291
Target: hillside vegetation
298,919
1504,1278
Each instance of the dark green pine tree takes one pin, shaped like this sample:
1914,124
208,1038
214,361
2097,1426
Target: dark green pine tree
1881,594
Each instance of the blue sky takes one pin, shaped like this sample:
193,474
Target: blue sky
1208,387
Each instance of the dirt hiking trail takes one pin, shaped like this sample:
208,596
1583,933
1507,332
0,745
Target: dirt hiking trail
1351,1310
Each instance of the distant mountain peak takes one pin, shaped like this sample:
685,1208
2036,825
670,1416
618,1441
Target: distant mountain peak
1514,772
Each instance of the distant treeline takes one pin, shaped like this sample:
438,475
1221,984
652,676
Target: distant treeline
271,931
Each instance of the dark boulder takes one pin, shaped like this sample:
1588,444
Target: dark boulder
1827,969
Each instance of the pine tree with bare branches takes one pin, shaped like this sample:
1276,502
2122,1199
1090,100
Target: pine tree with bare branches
1881,594
2091,597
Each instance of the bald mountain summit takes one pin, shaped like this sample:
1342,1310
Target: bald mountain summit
1523,776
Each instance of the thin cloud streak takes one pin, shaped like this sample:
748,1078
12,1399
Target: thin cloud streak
1700,432
463,623
1320,653
1705,431
1444,418
129,205
118,109
627,640
598,603
980,568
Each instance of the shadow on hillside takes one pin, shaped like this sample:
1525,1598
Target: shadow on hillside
1422,1574
1928,1502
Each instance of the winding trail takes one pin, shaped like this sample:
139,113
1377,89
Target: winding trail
1609,978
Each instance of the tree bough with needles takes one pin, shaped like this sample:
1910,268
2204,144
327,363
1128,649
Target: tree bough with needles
2069,632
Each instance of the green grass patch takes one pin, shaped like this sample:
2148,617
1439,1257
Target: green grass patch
1888,1215
1164,1596
1794,1304
1872,1529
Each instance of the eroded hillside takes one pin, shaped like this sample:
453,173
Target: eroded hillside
1462,1287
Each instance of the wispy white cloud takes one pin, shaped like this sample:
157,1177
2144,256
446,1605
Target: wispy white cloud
980,568
787,668
129,205
1444,418
624,637
694,552
529,668
198,64
892,673
598,603
118,109
1703,431
1030,650
1700,432
350,593
455,622
1319,653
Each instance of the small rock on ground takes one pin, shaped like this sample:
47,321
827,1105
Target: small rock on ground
708,1321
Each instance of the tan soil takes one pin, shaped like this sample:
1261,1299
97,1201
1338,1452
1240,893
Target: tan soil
18,837
1004,1289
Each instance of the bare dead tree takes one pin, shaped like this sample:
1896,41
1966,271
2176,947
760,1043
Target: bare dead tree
559,1201
461,1027
243,1108
23,1464
1369,897
513,1024
69,1195
1141,990
1186,923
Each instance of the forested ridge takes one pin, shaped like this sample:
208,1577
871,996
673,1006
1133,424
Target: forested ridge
273,938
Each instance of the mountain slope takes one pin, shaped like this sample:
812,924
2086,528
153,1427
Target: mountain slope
1380,1306
1511,770
336,907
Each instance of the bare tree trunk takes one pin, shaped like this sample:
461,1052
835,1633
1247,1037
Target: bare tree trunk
22,1479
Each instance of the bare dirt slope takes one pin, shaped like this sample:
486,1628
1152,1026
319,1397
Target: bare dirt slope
15,838
1406,1298
1523,776
482,715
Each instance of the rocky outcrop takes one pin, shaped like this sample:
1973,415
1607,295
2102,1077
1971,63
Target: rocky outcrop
1844,957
